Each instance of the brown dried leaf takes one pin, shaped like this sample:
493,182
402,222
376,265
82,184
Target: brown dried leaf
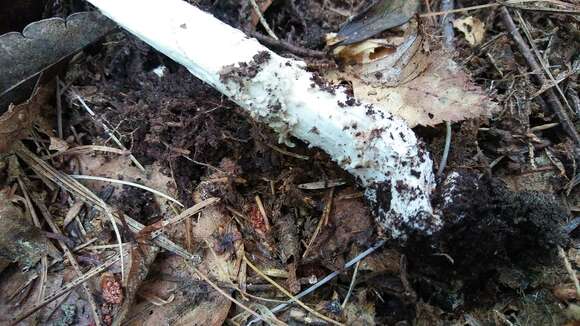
19,119
360,311
472,28
349,223
194,302
57,144
20,241
402,76
143,255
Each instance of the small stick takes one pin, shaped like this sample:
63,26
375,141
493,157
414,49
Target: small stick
351,286
445,156
288,294
76,188
323,221
447,24
106,128
232,299
570,270
186,214
203,164
36,221
284,45
287,153
448,36
262,19
71,258
539,79
263,212
325,280
59,109
429,10
65,289
442,13
543,64
127,183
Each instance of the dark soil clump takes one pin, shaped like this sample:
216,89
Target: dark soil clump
489,229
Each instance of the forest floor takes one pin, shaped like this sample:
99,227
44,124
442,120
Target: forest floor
259,216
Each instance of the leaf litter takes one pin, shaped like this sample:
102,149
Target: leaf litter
195,146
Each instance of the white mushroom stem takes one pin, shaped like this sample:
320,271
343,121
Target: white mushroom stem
374,146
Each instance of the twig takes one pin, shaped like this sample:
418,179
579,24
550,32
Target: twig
106,128
232,299
263,212
570,270
77,189
454,11
429,10
323,221
325,280
262,19
498,4
36,222
514,5
324,184
351,286
292,48
544,126
59,109
539,79
71,258
287,293
203,164
553,81
86,149
127,183
445,156
447,24
549,85
409,292
65,289
287,153
185,214
448,36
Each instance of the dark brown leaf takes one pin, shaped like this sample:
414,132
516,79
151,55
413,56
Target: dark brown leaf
378,17
41,44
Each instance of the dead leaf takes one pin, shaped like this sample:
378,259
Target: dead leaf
57,144
20,241
142,255
24,55
472,28
19,119
360,311
194,301
564,293
349,223
573,312
402,76
376,18
389,61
